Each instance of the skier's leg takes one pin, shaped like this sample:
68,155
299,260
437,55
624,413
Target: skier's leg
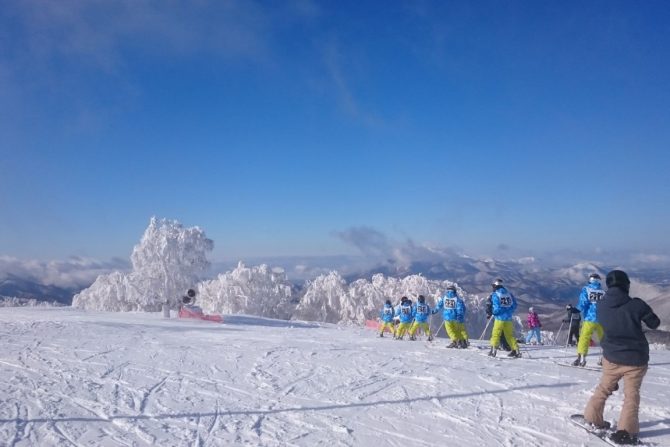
629,417
585,338
538,334
412,330
593,412
496,333
425,327
462,333
508,331
450,326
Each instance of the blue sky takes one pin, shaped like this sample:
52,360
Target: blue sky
279,126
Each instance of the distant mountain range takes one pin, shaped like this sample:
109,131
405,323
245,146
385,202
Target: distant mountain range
13,286
549,288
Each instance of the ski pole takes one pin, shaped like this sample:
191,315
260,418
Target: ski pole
439,329
567,340
558,333
486,327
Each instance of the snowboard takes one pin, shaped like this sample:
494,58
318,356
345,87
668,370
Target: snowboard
601,433
586,367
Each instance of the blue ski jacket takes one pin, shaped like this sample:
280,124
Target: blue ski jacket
503,304
405,312
591,294
421,312
386,314
454,307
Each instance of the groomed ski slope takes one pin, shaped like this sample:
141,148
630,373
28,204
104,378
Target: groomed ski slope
76,378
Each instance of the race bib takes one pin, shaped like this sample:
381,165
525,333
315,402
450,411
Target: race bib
388,311
596,295
406,310
422,309
505,300
450,304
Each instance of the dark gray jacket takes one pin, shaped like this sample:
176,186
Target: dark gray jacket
621,317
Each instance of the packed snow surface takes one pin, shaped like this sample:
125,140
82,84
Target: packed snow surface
89,378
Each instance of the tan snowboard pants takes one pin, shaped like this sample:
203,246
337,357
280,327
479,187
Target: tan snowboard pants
632,381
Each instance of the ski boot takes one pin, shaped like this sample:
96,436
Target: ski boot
624,438
514,353
463,344
412,337
452,345
430,338
580,360
492,352
381,334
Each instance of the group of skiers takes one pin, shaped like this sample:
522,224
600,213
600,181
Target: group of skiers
613,315
414,316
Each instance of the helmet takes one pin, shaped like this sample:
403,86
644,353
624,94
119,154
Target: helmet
403,299
388,302
422,299
498,283
530,309
451,287
594,277
190,293
569,306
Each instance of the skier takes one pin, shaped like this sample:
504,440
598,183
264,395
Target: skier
503,306
406,316
454,317
626,355
489,314
421,312
591,294
534,326
573,319
386,316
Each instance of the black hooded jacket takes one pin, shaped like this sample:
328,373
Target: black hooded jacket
621,317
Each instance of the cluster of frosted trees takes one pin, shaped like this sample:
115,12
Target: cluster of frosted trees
168,260
171,259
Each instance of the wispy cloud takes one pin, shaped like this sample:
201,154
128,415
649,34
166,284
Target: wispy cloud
66,51
74,272
375,244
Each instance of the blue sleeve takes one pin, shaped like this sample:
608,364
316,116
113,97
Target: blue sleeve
440,305
495,302
584,302
460,309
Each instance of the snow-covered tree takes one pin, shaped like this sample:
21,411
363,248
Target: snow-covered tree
168,260
326,299
261,291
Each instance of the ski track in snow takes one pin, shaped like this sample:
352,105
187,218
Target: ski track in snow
75,378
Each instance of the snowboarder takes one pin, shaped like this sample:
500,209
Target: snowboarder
503,306
534,326
591,294
406,316
386,316
454,317
573,319
421,312
626,355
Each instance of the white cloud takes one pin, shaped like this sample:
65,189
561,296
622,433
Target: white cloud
74,272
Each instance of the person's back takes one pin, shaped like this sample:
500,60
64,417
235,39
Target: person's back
626,356
621,317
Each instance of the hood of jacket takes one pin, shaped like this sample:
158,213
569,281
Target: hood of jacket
615,297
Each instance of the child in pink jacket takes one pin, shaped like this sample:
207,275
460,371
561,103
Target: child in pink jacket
534,326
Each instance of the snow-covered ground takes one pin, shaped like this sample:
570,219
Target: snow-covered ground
87,378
